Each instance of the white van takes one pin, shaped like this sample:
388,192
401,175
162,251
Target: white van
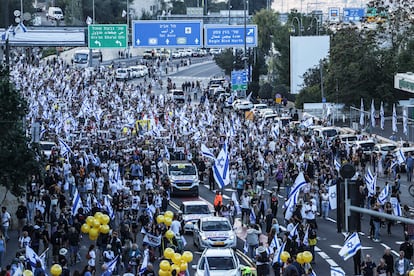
54,13
81,58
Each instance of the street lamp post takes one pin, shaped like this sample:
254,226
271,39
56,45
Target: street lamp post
299,22
229,4
245,42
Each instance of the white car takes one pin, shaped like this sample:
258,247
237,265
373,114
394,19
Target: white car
122,74
192,211
214,232
176,54
384,148
138,71
258,107
242,105
221,261
46,147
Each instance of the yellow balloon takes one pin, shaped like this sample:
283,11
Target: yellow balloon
125,130
169,234
96,224
307,256
183,266
105,219
187,256
160,219
93,238
168,221
284,256
168,253
85,228
27,273
169,214
98,216
176,267
165,265
163,273
411,273
90,220
56,270
94,232
299,258
104,229
134,131
176,258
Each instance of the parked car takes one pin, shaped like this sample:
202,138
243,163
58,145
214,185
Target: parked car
220,261
122,74
214,232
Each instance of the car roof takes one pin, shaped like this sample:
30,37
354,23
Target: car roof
214,219
194,202
217,252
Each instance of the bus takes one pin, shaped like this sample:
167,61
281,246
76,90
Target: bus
81,58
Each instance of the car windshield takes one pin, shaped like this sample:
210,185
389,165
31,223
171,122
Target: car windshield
80,57
219,263
329,133
196,209
216,226
182,170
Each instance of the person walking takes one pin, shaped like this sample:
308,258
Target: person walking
252,239
402,265
5,222
389,260
218,203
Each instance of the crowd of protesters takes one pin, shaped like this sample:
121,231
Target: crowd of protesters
111,140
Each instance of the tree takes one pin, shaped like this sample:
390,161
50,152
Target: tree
8,7
266,91
17,160
178,7
229,62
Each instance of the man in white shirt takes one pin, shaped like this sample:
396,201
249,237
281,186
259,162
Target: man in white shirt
175,226
309,213
5,222
245,205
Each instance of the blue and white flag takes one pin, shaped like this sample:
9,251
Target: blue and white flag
332,197
206,152
144,262
371,181
383,196
206,267
108,207
111,265
293,232
6,34
245,247
372,113
306,237
274,244
64,148
290,205
337,271
76,202
32,258
400,156
351,247
300,182
22,27
221,170
166,153
361,115
337,164
236,203
382,117
252,216
394,119
308,122
396,207
278,253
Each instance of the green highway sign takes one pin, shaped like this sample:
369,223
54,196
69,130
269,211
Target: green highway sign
107,36
236,87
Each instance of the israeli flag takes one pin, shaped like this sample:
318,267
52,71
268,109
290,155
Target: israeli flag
276,131
372,113
64,148
351,247
32,258
144,262
252,216
394,119
337,271
111,265
206,152
6,34
290,205
400,156
306,237
278,253
23,27
361,117
308,122
293,232
108,207
383,196
396,207
76,202
221,170
166,153
382,118
274,244
337,165
236,203
332,197
300,182
371,182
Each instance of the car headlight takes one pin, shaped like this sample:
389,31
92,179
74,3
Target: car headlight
231,237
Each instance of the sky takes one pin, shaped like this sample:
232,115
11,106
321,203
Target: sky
307,6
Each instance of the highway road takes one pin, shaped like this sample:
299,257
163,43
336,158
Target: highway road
329,241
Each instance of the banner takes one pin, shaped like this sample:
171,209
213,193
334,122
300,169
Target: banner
152,240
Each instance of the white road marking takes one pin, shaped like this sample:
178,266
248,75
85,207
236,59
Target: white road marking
226,197
331,219
392,251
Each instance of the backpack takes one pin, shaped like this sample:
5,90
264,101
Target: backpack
279,176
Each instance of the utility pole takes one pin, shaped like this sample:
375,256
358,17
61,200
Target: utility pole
245,43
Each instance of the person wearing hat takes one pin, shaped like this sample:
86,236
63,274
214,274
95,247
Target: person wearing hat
262,261
62,258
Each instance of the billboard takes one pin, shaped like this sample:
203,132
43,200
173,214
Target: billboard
404,81
333,15
305,52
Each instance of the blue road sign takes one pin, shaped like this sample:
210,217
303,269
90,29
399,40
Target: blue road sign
353,14
229,35
172,33
239,80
